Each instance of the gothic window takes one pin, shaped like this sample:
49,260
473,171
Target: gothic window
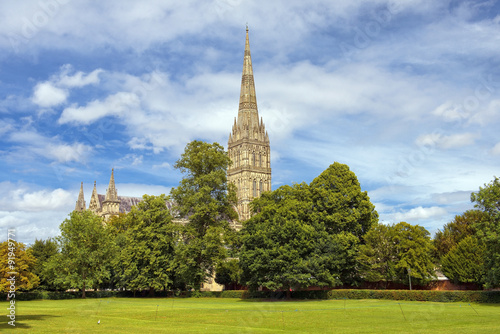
253,156
260,188
260,160
254,188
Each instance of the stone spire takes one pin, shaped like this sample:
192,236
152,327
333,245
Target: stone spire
248,115
95,204
80,203
248,144
111,194
111,205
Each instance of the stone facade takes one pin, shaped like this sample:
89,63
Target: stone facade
108,205
248,145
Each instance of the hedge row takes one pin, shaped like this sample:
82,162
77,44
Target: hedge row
406,295
419,295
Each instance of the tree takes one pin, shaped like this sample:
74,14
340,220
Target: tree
206,199
413,248
377,256
43,250
16,266
228,272
461,227
307,235
465,262
487,199
391,250
151,237
339,202
86,246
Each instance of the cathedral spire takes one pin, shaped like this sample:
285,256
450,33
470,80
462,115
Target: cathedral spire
248,115
95,204
80,203
111,194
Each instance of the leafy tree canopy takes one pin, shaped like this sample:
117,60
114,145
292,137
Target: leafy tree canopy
391,249
86,246
207,200
307,235
464,263
17,263
43,250
487,199
148,256
462,226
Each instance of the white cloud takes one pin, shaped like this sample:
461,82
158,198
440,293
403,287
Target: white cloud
420,213
22,198
79,79
446,142
45,94
118,104
45,147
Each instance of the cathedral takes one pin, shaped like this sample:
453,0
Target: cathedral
248,148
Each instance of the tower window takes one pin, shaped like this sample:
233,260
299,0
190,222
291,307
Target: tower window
254,188
260,188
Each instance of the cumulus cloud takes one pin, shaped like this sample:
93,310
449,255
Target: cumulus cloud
114,105
55,91
45,94
420,213
446,142
22,198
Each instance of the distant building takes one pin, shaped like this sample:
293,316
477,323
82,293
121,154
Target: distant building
108,205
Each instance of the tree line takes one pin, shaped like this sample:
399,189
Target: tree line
322,234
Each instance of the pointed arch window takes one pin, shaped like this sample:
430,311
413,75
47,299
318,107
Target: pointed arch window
254,188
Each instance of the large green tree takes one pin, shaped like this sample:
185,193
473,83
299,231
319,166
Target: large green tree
378,257
307,235
86,248
151,237
487,199
464,263
461,227
339,203
43,250
391,250
207,200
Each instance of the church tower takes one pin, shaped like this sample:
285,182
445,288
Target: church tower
111,205
248,145
80,203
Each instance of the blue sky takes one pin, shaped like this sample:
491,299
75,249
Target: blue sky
404,92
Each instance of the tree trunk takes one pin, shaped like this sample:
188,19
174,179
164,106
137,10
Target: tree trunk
151,292
288,294
83,288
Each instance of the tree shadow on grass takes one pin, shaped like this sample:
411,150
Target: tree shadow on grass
24,321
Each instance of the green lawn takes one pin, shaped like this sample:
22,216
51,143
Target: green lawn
224,315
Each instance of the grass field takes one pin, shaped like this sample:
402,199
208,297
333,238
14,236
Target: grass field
224,315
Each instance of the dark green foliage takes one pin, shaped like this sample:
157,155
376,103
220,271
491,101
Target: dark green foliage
228,272
391,249
464,263
462,226
339,203
487,199
207,200
86,247
151,237
43,250
306,235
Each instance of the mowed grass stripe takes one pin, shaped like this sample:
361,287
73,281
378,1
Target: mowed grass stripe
211,315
